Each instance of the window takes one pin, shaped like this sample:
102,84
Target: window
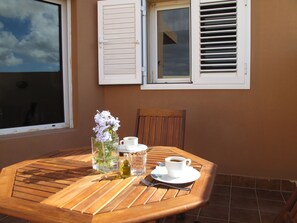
184,44
169,42
34,65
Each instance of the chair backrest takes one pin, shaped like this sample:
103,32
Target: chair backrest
289,212
161,127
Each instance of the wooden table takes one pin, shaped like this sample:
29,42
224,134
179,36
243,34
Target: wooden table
62,187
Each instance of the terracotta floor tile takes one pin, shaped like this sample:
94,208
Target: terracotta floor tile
269,195
287,185
222,179
187,219
244,203
170,219
221,189
286,195
270,206
9,219
268,184
2,216
215,211
268,217
194,211
243,192
209,220
219,199
240,181
244,215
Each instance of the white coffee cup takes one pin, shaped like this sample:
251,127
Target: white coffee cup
130,142
176,165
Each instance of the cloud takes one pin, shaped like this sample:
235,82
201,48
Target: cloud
7,58
40,43
7,42
7,39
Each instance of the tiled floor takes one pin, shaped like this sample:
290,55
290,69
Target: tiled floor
238,199
235,199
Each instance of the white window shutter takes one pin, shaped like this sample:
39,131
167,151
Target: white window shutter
220,52
119,47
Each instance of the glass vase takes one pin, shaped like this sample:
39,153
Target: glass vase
105,155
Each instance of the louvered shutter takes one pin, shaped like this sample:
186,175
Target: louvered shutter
119,27
221,49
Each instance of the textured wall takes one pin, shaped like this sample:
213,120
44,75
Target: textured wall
246,132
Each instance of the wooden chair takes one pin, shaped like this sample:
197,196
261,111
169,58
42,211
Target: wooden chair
289,212
161,127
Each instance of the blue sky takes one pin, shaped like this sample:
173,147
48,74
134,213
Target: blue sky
29,36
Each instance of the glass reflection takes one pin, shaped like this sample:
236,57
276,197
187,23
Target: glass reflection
173,43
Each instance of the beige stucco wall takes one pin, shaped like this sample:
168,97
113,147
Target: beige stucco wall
246,132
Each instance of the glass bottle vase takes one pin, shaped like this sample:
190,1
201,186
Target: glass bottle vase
105,155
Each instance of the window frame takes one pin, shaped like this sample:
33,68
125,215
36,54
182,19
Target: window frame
153,41
216,82
67,75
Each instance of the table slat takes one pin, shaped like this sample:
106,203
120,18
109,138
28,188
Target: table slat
133,196
100,202
99,193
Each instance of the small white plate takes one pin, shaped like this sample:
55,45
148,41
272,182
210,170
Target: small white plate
138,148
190,175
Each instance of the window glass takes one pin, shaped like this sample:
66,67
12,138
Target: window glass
173,43
31,74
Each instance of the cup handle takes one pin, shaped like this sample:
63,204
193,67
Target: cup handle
122,142
188,162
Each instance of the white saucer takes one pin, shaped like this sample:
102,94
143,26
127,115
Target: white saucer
190,175
138,148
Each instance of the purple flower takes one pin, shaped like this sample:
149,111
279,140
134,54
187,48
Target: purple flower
106,125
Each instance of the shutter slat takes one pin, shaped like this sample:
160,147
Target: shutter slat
119,31
116,51
119,26
121,61
119,71
219,48
218,59
109,10
217,9
219,26
118,21
209,3
218,42
119,56
120,36
218,37
119,46
218,31
218,15
218,70
211,54
218,64
220,20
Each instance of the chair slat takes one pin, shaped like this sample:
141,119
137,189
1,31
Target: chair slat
289,213
162,127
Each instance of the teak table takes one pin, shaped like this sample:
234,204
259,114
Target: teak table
62,187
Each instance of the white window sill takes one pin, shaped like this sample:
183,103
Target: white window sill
193,86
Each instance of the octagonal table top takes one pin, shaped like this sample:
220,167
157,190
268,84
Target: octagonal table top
63,187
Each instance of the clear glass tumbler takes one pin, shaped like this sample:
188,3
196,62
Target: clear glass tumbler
138,162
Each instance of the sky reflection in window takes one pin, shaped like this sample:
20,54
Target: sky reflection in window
29,36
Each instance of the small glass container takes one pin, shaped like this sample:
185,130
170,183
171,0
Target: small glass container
125,167
138,162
